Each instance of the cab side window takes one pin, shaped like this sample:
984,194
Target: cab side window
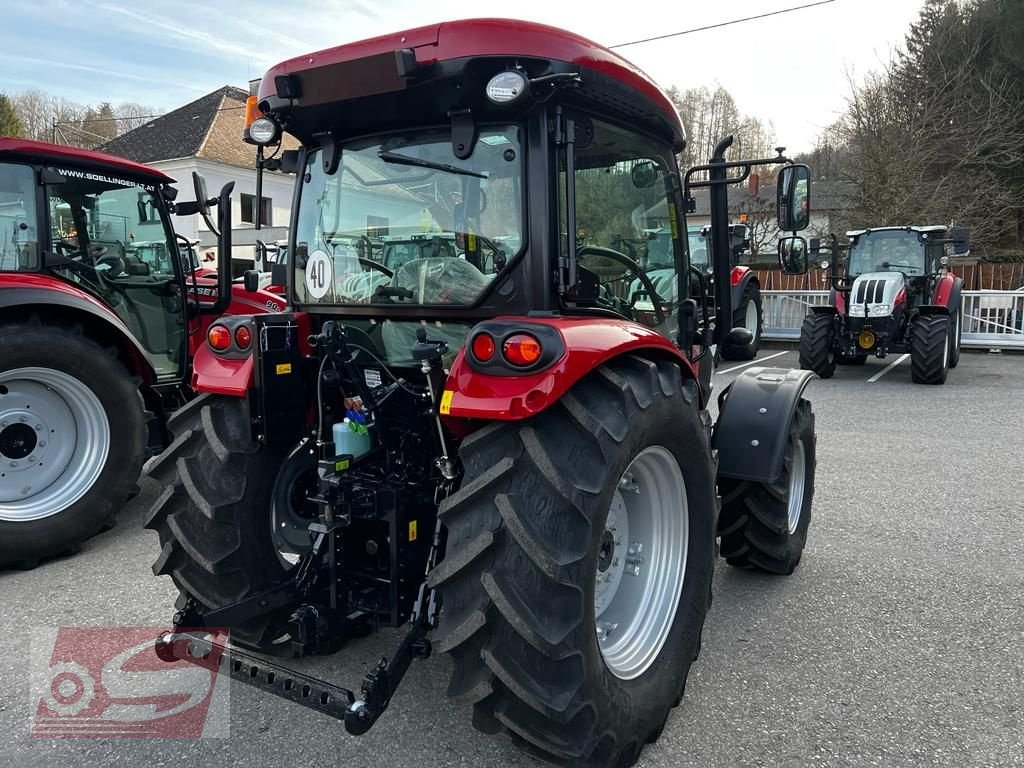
628,226
19,233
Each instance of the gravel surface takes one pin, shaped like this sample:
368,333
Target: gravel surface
899,641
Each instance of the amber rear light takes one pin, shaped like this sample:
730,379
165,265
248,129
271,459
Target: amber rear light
483,347
521,349
218,337
243,336
251,111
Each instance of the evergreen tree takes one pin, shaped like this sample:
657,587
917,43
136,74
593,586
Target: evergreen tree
10,123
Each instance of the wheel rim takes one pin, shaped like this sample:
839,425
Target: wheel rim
750,319
54,441
797,473
945,350
642,563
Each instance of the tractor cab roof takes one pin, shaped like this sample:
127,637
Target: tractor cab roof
44,152
420,76
932,229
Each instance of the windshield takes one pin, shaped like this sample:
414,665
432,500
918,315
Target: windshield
887,250
404,221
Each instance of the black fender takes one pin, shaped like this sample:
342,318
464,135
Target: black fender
104,322
818,309
738,289
755,413
954,296
933,309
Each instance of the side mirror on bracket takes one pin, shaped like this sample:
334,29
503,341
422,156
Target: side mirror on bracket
793,255
793,198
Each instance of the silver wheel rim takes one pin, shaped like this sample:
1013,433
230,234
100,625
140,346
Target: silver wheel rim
945,351
796,486
642,563
751,319
54,441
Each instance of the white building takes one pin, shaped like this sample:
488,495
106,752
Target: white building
206,136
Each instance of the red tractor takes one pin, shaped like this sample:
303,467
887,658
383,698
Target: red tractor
96,338
513,457
896,294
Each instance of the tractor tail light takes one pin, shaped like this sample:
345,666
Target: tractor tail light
483,347
522,349
218,337
243,337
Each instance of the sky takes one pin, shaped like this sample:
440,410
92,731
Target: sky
791,69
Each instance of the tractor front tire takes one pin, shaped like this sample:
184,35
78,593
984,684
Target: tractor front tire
748,314
72,441
958,330
764,525
930,345
536,538
213,516
816,345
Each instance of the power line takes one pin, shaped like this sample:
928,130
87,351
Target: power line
723,24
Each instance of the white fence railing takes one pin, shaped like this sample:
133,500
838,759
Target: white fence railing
992,319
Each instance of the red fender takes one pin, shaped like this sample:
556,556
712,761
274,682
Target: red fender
589,342
839,302
944,290
221,375
242,303
737,274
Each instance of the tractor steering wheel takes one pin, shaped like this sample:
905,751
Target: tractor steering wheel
632,266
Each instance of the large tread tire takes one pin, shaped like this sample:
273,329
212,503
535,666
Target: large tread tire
751,295
816,348
517,583
213,514
754,524
24,544
958,332
929,349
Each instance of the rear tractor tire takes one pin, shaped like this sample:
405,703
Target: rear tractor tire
578,567
764,525
930,345
214,515
72,441
817,351
748,314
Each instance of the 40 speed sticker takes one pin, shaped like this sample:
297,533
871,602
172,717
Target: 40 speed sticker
319,274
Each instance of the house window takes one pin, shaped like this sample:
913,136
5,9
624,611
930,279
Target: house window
249,210
376,226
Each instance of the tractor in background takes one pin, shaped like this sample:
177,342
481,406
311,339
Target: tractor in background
98,326
512,458
896,294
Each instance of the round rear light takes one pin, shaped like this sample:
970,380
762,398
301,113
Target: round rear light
483,347
521,349
219,337
243,336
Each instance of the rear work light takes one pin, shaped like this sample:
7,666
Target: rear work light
522,349
218,337
483,347
243,336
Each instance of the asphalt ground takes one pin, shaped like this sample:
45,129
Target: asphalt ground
899,641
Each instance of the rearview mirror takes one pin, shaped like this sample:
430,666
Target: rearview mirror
202,197
251,280
793,198
644,174
961,240
793,255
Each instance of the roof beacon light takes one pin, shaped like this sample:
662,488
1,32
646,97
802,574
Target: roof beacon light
263,130
507,87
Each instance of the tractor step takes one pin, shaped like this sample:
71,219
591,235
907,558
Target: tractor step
298,688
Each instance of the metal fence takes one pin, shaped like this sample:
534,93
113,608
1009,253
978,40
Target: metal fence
992,319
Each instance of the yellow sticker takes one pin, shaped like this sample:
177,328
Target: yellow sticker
446,402
472,242
412,530
672,219
283,368
340,466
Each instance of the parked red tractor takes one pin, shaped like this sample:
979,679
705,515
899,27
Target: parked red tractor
96,338
513,456
896,294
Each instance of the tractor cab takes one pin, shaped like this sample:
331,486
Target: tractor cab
101,226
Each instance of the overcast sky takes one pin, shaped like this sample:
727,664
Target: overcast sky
790,69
